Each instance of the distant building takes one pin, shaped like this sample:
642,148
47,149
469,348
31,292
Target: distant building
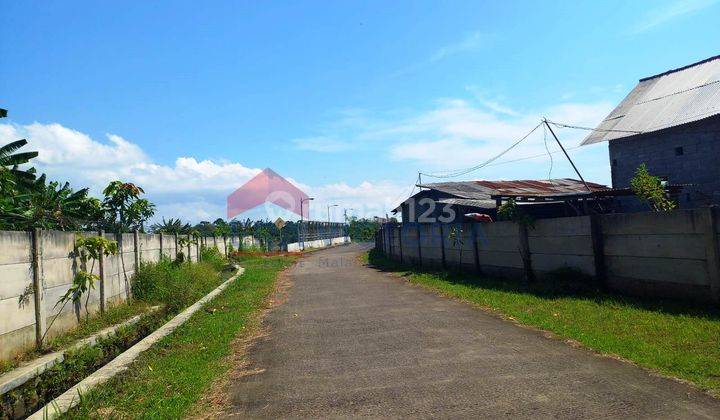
671,123
450,202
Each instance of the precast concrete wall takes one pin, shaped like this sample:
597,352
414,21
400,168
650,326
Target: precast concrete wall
672,254
48,259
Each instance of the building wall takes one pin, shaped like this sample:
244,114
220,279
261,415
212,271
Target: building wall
672,255
698,163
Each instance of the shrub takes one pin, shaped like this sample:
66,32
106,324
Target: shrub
212,256
175,285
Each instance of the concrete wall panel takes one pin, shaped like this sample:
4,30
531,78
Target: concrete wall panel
653,223
569,245
669,270
549,262
691,246
565,226
15,247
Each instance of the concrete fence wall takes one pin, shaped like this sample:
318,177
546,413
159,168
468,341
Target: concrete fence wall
648,254
318,243
45,261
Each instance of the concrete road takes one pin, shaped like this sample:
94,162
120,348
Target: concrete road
352,341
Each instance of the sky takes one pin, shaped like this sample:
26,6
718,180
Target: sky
348,100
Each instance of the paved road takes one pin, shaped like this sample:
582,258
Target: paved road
352,341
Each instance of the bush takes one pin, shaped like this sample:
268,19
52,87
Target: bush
212,256
175,285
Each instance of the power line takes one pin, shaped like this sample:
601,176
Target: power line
461,172
547,149
578,127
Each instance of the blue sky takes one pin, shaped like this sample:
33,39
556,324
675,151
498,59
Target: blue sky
348,99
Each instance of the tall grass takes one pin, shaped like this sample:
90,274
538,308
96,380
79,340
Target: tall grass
175,285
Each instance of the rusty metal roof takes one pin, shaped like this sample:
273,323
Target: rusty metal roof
669,99
540,187
483,190
466,202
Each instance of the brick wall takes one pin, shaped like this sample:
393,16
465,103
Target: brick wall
698,163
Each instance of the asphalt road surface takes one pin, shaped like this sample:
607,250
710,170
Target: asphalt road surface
352,341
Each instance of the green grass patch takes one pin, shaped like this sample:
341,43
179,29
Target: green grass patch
675,338
114,315
167,380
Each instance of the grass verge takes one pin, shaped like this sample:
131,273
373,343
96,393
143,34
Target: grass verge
114,315
168,379
674,338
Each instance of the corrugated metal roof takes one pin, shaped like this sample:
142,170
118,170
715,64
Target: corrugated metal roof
485,204
669,99
482,190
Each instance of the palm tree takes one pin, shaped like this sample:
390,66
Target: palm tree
56,206
9,162
171,226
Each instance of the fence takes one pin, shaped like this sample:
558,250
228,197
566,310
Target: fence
45,261
648,254
312,231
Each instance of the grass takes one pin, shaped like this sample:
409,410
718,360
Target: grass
170,378
674,338
114,315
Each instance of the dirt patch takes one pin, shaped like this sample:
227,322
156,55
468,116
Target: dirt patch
216,400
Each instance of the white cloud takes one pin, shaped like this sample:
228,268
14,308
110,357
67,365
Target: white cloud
666,13
191,189
459,132
472,41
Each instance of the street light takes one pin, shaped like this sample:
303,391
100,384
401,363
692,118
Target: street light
328,208
302,242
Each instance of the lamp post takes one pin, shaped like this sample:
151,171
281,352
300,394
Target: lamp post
302,242
328,209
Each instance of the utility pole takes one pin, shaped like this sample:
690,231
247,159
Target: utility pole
566,154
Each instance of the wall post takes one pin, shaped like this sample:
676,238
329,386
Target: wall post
442,246
390,241
525,252
598,247
712,252
101,272
189,254
136,242
476,253
176,245
161,245
419,245
38,289
400,233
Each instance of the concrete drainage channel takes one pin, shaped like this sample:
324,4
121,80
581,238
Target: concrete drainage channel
72,396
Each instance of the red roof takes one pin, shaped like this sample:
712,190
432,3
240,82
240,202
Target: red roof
540,187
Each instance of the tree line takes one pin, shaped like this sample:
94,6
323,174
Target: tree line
30,200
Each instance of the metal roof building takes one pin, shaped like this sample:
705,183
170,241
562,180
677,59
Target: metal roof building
484,197
671,123
669,99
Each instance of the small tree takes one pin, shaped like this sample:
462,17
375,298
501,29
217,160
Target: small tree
124,208
650,189
456,238
509,210
90,248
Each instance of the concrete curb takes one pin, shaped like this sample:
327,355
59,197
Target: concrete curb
33,368
72,396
